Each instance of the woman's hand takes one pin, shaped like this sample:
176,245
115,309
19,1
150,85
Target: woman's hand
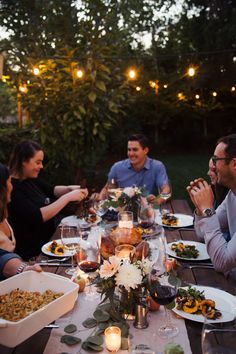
77,195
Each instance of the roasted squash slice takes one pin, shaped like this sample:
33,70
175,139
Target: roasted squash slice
191,306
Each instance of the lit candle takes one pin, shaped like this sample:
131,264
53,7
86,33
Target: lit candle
124,251
125,220
113,338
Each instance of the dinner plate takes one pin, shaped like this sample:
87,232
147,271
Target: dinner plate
201,247
225,302
45,250
73,220
183,220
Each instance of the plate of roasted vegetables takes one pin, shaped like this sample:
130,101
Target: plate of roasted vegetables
189,250
86,222
55,248
197,303
174,220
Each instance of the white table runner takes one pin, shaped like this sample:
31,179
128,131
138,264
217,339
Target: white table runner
84,308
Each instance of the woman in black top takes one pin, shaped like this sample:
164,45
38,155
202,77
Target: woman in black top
33,205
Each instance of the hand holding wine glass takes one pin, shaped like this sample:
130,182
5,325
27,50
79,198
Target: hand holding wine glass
165,194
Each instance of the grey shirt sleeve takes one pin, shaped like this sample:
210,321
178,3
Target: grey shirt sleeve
221,252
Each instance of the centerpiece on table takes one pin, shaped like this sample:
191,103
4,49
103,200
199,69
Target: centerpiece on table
127,199
124,280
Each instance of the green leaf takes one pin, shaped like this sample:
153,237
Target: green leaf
101,316
70,340
92,96
98,340
89,323
103,325
104,68
82,109
101,86
171,305
71,328
90,346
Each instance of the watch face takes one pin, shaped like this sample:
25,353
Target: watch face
208,212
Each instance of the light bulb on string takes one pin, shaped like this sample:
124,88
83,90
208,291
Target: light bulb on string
214,93
79,73
138,88
132,74
197,96
36,71
233,88
191,71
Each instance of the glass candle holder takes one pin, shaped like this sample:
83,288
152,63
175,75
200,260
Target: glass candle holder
125,219
113,338
125,251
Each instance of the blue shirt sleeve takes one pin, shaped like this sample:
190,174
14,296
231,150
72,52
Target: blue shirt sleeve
4,258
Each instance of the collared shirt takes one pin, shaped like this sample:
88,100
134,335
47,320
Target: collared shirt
152,176
221,252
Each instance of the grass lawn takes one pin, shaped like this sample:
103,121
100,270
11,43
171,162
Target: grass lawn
182,169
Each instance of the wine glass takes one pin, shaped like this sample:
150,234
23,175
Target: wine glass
88,258
146,214
163,293
165,195
70,238
219,337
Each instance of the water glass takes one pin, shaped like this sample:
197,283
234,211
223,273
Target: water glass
219,338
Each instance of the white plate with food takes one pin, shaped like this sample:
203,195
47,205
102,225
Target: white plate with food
55,249
189,250
224,302
88,221
174,220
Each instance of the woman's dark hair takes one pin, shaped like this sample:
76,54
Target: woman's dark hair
142,139
22,152
4,175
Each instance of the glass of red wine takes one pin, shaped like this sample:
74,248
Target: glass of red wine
146,214
163,293
88,258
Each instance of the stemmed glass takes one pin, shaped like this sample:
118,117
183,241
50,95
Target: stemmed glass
163,293
165,196
219,337
88,258
70,238
146,214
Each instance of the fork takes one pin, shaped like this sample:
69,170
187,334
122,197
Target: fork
54,260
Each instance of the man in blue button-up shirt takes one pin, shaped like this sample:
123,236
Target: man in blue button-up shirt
139,170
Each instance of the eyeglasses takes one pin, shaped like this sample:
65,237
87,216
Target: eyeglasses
214,159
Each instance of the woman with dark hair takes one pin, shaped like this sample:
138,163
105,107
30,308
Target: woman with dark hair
7,239
34,203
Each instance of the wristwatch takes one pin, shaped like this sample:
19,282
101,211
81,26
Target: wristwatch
208,212
21,268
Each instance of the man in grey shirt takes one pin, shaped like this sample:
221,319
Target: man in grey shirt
210,223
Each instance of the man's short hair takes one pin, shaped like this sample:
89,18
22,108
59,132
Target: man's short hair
230,142
142,139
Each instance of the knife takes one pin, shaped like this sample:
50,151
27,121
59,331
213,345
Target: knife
55,264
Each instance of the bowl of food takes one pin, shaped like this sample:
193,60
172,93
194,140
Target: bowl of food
31,300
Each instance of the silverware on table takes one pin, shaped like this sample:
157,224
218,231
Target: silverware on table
54,260
57,264
51,326
195,266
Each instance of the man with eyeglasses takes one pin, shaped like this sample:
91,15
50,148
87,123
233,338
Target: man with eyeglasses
209,223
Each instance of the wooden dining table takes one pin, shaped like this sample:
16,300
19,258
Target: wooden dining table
197,275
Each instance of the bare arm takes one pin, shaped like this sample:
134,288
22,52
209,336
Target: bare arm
51,210
13,264
158,200
102,195
61,190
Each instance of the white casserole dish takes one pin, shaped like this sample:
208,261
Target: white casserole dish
13,333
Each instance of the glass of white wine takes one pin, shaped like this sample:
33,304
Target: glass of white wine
70,238
166,195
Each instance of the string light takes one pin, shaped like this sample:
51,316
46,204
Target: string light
181,96
36,71
191,71
233,88
214,93
138,88
79,73
132,74
23,88
165,86
197,97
